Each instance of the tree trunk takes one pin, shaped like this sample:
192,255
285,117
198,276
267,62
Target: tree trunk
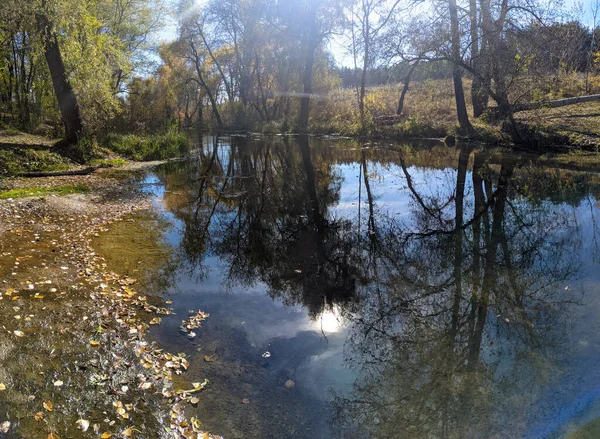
307,78
479,94
67,101
555,103
459,93
363,76
405,88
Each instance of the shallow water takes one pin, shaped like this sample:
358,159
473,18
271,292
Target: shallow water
405,290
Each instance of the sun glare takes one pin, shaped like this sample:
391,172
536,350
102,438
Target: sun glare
328,321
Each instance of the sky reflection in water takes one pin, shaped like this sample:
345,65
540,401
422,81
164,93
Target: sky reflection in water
407,291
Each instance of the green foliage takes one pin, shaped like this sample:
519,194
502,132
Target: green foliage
108,163
101,43
148,147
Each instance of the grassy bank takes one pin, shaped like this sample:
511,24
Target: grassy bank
430,111
21,152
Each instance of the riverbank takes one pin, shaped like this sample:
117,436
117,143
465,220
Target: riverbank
429,111
74,354
573,129
30,154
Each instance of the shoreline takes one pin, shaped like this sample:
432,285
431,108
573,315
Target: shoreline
75,354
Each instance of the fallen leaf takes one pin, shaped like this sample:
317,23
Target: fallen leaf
39,416
128,432
94,343
194,400
53,436
2,386
48,405
19,333
83,424
106,435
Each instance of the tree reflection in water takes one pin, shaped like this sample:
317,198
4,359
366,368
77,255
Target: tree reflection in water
456,308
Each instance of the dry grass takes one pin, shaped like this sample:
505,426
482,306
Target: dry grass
430,111
580,123
428,104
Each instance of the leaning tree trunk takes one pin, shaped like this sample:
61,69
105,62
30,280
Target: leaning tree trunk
405,88
67,101
554,104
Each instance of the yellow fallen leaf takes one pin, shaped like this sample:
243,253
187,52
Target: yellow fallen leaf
48,405
2,386
94,343
53,436
106,435
128,432
39,416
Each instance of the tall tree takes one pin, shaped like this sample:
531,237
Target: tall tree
459,94
67,100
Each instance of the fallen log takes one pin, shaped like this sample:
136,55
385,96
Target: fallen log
555,103
84,171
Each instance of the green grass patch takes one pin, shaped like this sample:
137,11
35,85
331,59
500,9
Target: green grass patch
108,163
16,160
148,147
41,191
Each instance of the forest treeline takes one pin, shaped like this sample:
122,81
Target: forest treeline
88,68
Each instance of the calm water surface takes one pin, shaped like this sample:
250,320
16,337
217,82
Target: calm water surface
407,291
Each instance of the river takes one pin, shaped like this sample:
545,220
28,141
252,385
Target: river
378,290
